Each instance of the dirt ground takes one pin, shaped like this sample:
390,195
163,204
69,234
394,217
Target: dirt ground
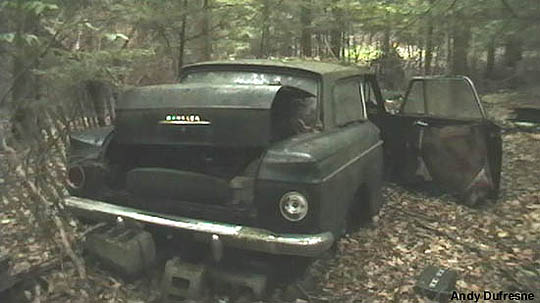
495,247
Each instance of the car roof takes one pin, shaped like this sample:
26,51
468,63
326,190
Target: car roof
439,77
317,67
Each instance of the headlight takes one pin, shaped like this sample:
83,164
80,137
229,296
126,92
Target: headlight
293,206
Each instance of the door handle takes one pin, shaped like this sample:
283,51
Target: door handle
420,123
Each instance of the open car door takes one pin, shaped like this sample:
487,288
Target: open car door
441,133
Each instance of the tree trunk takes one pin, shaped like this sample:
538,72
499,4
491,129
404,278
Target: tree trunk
386,41
462,36
182,39
336,34
206,51
447,47
24,59
319,45
513,50
305,19
265,30
490,60
473,55
429,43
335,42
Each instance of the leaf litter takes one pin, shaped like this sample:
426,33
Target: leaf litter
494,247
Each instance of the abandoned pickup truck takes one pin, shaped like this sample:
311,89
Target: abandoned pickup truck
280,157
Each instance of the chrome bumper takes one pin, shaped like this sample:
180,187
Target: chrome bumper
244,237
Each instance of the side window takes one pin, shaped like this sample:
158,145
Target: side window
347,102
369,94
414,103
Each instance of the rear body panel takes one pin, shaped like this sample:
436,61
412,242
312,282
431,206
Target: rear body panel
327,167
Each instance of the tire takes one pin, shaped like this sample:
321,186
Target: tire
365,205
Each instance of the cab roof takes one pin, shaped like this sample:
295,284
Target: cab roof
316,67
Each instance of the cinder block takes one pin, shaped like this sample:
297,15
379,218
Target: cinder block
128,251
182,280
256,282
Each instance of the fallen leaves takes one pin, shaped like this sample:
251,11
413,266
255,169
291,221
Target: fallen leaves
492,248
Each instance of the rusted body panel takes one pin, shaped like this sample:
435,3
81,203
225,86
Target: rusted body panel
450,142
456,156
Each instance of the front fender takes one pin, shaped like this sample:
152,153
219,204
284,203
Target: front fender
88,144
86,155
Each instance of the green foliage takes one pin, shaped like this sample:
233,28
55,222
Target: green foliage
29,39
33,7
364,53
7,37
66,41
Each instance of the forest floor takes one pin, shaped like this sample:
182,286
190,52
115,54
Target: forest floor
494,247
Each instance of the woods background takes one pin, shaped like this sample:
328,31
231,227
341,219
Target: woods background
63,63
50,48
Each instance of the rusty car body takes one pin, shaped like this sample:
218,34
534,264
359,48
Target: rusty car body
279,157
262,155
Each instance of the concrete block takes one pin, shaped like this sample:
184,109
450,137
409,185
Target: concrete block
127,251
255,282
182,280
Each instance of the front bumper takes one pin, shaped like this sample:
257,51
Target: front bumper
238,236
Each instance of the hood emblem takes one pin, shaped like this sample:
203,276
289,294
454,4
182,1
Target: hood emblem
184,120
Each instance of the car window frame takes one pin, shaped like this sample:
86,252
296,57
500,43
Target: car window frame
358,80
408,93
370,80
426,108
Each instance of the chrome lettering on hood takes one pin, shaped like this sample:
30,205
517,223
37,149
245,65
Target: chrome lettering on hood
182,119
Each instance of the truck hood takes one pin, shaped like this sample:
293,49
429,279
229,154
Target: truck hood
198,114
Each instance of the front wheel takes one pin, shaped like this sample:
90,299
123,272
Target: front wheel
365,205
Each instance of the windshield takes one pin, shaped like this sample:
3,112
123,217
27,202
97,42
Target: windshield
251,77
445,97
